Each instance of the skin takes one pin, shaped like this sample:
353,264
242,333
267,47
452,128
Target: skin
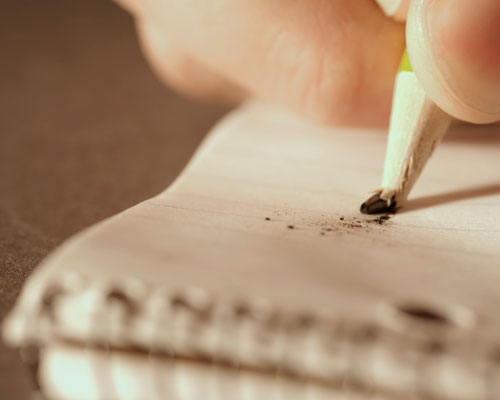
467,49
331,60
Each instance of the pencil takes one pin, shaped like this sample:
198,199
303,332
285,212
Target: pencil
417,125
422,109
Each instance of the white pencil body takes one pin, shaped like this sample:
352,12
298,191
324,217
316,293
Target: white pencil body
417,125
417,122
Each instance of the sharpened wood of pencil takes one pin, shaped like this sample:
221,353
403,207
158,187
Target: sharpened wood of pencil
416,127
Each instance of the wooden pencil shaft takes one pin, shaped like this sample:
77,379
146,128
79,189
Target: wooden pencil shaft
417,125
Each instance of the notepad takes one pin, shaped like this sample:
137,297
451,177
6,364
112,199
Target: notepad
255,276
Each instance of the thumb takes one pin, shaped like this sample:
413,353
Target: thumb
454,47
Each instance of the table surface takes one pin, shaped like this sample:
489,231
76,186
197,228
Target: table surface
86,130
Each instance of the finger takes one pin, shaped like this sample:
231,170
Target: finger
132,6
182,71
457,55
334,60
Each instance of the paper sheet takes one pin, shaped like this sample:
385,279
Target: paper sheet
268,208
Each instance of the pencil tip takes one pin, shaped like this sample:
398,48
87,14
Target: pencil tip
377,205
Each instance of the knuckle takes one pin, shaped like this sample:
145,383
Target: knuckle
329,86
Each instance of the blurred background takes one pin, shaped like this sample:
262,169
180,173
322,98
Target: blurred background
86,130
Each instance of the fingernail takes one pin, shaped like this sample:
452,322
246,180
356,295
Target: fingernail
464,37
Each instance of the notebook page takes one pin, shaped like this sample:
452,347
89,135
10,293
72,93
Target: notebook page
268,208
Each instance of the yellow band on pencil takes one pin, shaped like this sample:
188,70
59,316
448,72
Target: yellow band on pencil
405,63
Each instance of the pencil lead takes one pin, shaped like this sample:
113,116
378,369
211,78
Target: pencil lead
377,205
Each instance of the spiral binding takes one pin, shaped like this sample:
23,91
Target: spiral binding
190,325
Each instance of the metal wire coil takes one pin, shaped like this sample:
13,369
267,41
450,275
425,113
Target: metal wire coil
253,335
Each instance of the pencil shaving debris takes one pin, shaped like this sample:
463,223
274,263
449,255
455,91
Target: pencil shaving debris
332,226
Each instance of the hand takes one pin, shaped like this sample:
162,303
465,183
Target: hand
454,46
331,60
